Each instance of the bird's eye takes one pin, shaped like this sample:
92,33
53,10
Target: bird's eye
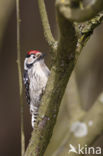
33,56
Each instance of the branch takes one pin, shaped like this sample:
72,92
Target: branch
85,31
70,110
90,123
20,79
73,97
46,27
57,82
74,103
68,10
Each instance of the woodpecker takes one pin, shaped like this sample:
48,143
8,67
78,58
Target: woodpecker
35,78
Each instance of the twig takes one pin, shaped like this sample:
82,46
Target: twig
46,27
20,79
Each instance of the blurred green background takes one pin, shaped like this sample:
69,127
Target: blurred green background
89,72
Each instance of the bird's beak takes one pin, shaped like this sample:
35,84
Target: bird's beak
41,56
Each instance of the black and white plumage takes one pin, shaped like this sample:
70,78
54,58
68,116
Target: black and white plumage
36,75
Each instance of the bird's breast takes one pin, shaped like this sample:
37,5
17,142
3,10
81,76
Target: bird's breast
38,78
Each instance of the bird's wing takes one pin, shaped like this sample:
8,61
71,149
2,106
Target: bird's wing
26,83
46,70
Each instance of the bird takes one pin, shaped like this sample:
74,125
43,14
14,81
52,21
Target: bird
36,74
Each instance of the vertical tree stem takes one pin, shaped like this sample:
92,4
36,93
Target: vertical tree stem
45,23
20,79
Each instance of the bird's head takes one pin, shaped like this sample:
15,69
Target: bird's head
32,57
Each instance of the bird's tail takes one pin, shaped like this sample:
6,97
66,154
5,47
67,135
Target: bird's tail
34,113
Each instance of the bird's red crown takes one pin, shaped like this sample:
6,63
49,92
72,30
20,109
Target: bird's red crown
33,52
